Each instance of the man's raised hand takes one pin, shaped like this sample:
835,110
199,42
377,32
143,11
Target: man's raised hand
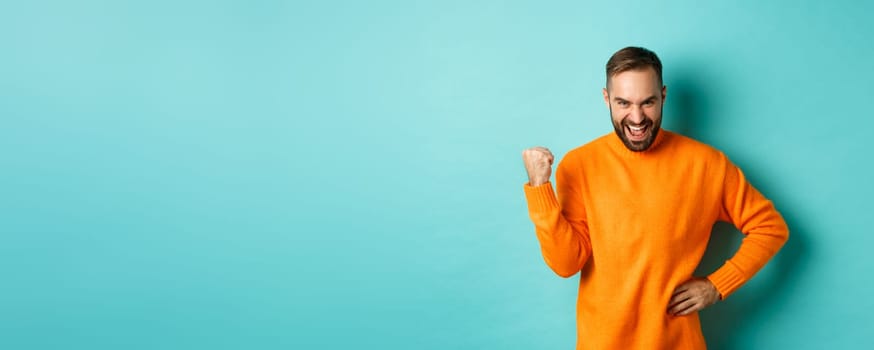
538,163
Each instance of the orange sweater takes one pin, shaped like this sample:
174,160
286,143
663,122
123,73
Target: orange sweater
637,225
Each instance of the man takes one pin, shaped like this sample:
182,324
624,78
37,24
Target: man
633,211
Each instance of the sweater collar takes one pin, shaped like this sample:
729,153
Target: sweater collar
617,145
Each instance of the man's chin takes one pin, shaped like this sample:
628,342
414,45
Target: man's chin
638,146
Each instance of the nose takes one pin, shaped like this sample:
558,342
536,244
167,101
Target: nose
636,115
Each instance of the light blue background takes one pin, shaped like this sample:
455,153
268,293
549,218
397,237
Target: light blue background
331,175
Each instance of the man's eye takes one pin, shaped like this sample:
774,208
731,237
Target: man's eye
648,103
623,103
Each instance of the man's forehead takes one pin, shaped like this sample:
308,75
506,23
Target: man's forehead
641,83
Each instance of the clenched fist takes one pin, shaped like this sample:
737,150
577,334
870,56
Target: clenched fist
538,163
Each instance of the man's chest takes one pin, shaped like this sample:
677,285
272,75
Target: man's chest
660,204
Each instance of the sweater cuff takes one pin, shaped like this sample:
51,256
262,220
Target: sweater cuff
541,198
727,279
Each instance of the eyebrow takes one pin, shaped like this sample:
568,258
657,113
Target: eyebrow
620,99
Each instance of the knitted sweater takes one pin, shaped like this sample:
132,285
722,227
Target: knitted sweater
636,225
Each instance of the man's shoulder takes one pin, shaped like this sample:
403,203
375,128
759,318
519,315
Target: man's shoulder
689,145
582,156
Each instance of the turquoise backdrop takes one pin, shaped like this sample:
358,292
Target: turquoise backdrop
339,175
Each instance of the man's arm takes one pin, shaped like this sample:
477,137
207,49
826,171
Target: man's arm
559,221
756,217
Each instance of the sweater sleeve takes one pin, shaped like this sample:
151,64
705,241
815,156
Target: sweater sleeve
764,229
559,221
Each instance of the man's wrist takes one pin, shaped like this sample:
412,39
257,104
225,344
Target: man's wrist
716,290
537,182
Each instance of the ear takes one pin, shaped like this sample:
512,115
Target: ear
606,97
664,93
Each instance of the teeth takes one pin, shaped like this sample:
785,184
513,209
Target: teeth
636,128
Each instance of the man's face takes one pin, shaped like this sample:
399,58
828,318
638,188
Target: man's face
635,99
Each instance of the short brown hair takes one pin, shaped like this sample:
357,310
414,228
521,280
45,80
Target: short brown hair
633,58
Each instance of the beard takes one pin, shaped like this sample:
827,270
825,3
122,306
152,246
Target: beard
652,130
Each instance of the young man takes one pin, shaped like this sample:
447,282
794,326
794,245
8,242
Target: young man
633,211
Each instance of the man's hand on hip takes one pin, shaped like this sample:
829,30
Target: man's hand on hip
538,163
692,296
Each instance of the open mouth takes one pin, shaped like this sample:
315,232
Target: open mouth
637,133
